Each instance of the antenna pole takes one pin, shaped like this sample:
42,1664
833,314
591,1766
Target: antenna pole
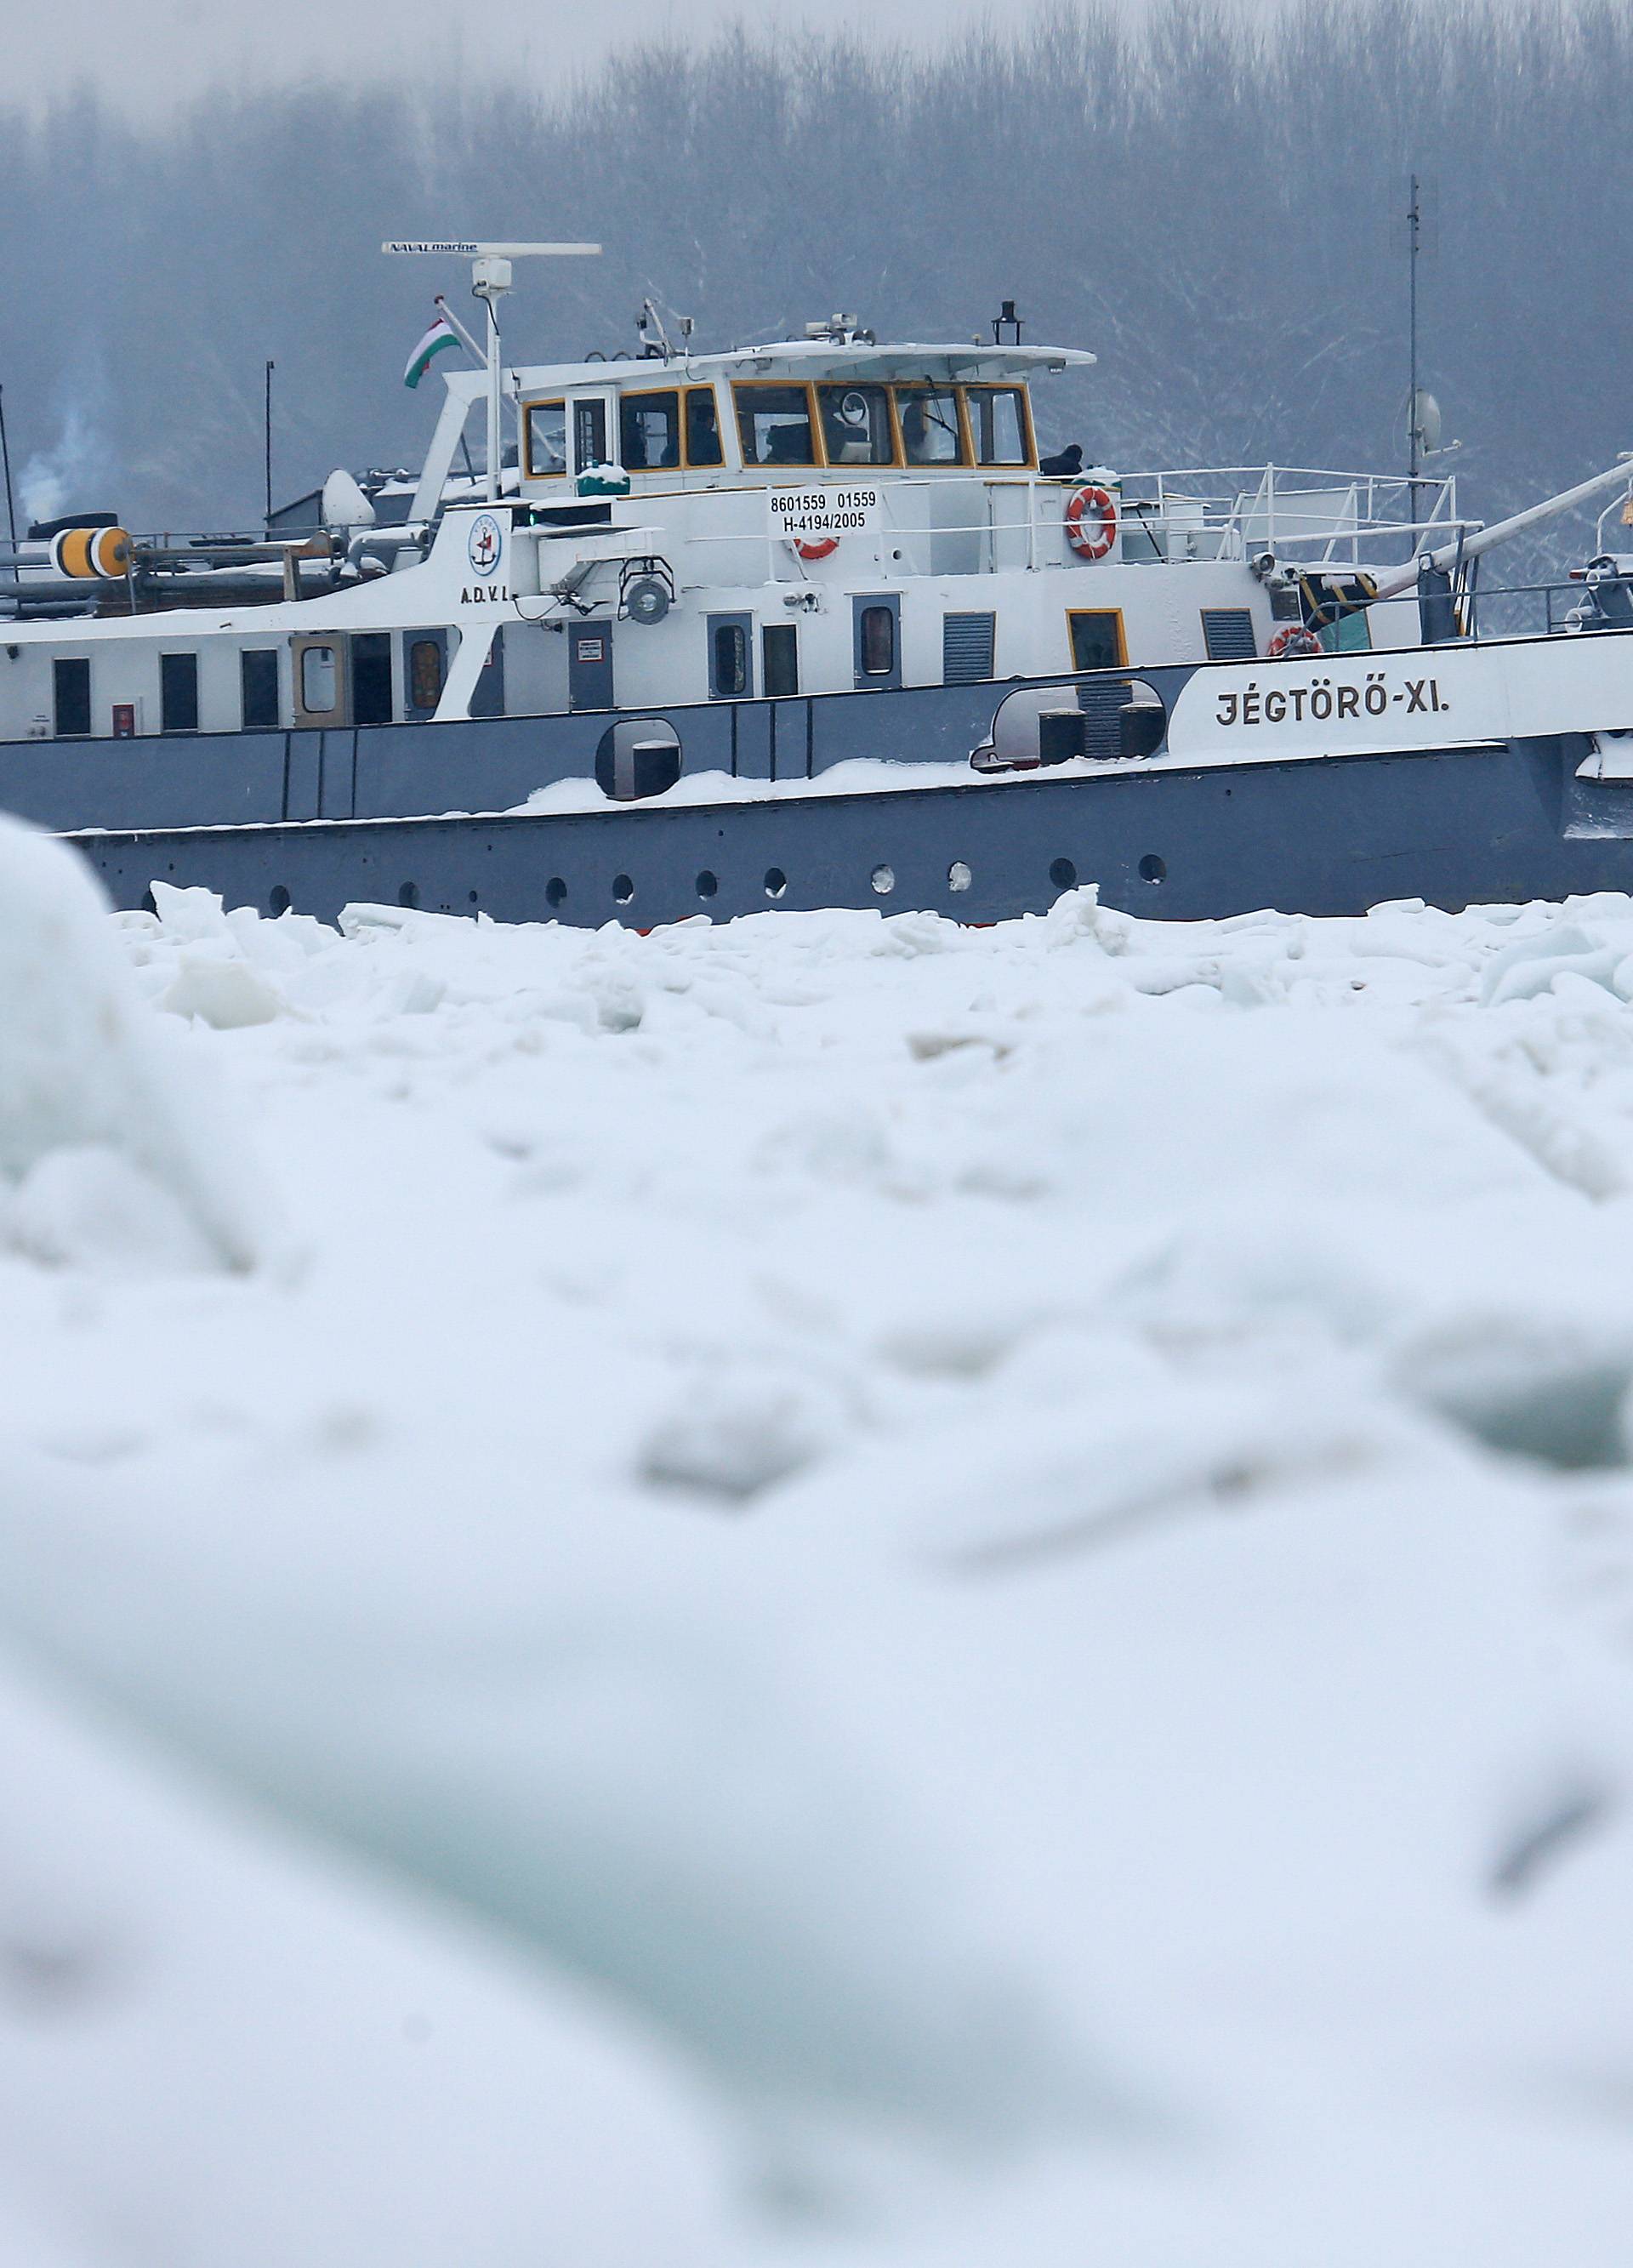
271,367
5,457
1414,432
490,280
490,277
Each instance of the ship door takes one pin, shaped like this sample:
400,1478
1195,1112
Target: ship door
323,679
876,638
589,666
590,430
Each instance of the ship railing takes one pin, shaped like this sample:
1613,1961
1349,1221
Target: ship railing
1509,610
1311,516
1326,514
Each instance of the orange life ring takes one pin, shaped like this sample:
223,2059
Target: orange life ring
1096,540
1293,642
816,547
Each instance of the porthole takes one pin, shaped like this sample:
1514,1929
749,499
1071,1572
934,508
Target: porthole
883,881
554,891
959,876
409,893
278,899
776,882
471,895
1153,869
623,889
1063,875
707,884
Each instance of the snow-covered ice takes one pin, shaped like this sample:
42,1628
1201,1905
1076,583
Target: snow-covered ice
828,1590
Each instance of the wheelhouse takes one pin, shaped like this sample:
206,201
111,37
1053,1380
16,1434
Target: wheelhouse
827,406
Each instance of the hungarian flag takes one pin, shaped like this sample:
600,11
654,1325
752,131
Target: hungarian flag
441,333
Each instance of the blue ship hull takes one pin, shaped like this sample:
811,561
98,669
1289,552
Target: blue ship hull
235,813
1457,826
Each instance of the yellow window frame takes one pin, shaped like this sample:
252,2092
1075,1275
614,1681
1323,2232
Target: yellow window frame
898,455
967,455
783,386
710,465
1098,613
646,393
1000,385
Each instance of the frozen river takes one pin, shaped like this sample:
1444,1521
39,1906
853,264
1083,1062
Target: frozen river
827,1593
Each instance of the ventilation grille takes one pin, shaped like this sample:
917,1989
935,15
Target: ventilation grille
1227,634
967,645
1102,705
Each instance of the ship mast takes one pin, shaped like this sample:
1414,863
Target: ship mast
490,280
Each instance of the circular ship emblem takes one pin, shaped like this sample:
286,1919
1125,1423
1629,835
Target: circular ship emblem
485,541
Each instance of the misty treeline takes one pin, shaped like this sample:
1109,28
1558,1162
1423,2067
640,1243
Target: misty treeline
1214,205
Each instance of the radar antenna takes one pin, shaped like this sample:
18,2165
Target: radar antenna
490,280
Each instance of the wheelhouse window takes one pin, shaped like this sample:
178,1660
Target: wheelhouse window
258,685
650,431
774,423
856,425
997,424
547,438
71,687
703,427
877,641
931,432
178,692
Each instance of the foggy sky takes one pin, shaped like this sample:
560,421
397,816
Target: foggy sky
148,54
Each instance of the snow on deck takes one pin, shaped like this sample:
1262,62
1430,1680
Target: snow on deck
826,1590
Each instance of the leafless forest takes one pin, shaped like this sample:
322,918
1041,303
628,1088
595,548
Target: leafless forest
1216,206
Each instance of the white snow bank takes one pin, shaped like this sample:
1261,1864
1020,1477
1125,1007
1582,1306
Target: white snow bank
214,2046
1015,1546
118,1151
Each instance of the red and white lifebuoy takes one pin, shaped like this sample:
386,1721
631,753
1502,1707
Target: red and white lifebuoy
1091,522
814,547
1292,643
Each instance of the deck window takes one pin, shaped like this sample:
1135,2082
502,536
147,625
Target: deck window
856,425
779,660
371,677
178,693
425,672
997,424
547,438
774,422
930,430
319,680
650,431
877,639
728,660
71,686
1097,638
703,427
258,685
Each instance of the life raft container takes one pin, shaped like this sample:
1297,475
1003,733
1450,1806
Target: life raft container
1290,644
1091,522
